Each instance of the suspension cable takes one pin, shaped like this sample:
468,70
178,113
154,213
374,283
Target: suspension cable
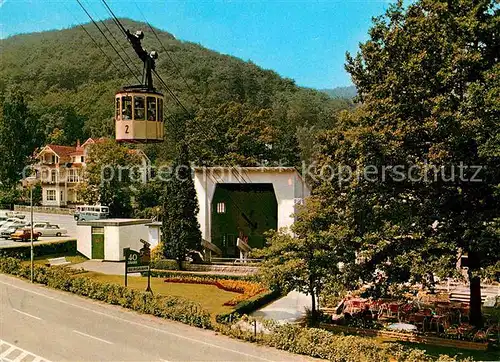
93,40
177,69
119,44
105,37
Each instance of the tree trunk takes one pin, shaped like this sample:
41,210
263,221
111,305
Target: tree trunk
314,314
475,313
179,263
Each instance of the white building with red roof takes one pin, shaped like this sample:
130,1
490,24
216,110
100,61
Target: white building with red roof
60,169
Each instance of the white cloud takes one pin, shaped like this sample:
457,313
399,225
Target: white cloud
2,2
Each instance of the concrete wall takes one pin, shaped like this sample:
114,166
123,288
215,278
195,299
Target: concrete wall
153,236
129,237
45,209
84,240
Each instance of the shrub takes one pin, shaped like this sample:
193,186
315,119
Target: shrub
165,264
323,344
56,247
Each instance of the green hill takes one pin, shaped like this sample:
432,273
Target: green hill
348,92
70,82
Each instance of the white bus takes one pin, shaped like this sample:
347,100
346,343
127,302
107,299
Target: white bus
91,212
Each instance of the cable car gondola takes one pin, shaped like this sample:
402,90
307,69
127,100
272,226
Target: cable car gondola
139,108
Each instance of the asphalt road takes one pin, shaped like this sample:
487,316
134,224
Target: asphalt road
64,221
43,324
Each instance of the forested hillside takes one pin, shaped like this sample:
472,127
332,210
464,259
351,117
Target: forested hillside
341,92
69,86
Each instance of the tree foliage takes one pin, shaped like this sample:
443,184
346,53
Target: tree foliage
180,229
410,179
318,253
19,137
428,82
111,170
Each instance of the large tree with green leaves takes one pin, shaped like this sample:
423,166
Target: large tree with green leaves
111,170
180,228
20,135
428,80
315,252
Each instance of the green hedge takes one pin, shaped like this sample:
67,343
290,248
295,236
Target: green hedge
323,344
22,250
165,264
248,306
174,308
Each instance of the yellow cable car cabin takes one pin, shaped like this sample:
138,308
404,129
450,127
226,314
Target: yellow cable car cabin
139,108
139,115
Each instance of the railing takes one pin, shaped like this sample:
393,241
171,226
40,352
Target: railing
235,260
45,209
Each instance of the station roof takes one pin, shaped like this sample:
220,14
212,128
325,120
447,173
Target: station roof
114,222
246,169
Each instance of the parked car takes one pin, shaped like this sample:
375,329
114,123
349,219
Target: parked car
15,214
10,227
46,229
5,219
24,234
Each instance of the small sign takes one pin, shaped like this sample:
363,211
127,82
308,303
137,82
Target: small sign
138,261
136,269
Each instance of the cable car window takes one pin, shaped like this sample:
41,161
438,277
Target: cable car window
139,108
117,113
151,103
127,107
160,109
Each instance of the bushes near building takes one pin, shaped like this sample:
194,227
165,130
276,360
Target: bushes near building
22,251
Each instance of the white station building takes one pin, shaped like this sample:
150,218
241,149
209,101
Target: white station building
237,206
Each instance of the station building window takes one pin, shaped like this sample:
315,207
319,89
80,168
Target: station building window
221,208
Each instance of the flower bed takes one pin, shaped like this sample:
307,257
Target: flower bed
246,289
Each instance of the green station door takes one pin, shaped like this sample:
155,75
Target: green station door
250,209
97,243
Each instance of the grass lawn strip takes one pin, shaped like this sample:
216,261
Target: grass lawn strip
209,297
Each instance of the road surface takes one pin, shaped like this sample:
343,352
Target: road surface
41,324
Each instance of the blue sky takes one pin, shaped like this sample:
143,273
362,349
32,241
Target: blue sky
302,40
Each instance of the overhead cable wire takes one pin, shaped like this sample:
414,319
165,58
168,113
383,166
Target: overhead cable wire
120,44
177,69
94,41
105,37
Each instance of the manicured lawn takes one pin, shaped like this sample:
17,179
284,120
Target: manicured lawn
209,297
73,259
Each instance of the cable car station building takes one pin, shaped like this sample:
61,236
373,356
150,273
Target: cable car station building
244,203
